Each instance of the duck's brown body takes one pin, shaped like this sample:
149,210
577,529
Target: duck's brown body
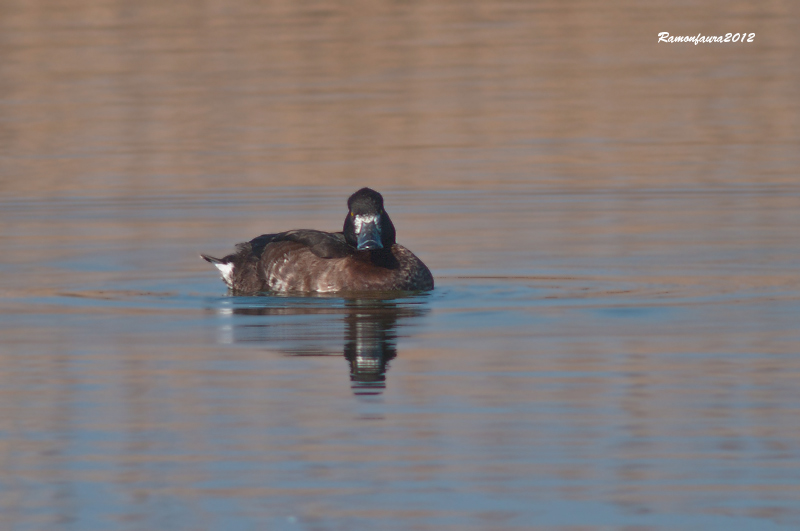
286,266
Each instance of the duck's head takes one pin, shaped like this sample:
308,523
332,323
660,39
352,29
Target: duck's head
367,226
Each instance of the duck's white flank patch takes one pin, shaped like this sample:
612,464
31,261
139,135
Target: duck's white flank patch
227,272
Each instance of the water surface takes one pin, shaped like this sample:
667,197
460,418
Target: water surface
590,383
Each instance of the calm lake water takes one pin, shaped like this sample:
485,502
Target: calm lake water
614,337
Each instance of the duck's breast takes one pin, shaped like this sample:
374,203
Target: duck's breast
290,266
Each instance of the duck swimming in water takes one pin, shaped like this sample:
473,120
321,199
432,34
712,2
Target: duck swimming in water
363,257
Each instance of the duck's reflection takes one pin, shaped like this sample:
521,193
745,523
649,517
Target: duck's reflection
365,328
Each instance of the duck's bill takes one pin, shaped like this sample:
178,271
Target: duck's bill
368,233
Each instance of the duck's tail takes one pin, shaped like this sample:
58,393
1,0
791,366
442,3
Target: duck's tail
225,268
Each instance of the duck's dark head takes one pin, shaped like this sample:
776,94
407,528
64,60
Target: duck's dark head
367,226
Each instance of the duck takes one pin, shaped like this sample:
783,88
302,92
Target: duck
363,257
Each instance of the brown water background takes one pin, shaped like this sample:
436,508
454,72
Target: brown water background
614,340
